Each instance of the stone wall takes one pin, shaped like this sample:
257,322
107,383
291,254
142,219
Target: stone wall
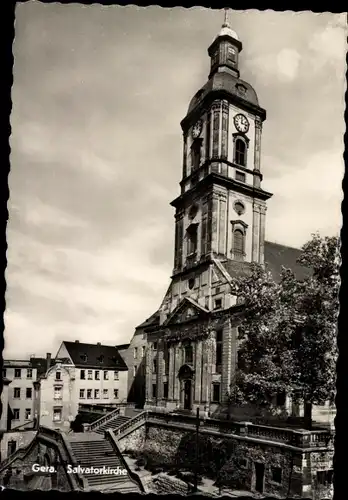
166,484
21,438
134,441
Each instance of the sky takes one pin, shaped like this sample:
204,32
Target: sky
98,96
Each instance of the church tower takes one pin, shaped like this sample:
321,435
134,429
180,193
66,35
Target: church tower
220,213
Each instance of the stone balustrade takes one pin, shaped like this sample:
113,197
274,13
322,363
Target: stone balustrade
102,420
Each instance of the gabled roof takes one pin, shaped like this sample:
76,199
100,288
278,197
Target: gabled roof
151,321
97,356
186,310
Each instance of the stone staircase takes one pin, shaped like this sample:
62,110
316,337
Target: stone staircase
98,452
112,424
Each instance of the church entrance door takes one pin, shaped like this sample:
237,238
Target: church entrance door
187,395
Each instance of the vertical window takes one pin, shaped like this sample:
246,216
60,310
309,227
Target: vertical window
238,243
116,393
57,393
17,373
135,369
154,366
106,375
192,239
58,376
82,374
165,390
16,392
240,176
188,353
218,352
135,352
218,304
29,373
155,346
29,393
196,154
115,375
89,393
166,360
82,393
216,393
4,373
16,414
240,153
231,54
57,414
90,374
96,375
105,394
96,393
27,413
154,390
276,474
143,351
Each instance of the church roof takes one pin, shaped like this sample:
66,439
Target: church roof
227,82
97,356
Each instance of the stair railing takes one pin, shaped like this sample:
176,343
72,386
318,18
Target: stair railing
102,420
133,476
128,426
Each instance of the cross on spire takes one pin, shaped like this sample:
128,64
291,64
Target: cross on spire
226,23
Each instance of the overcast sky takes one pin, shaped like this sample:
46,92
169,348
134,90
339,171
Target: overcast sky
98,96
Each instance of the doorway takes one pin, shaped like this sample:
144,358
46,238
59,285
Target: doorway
187,395
259,476
11,447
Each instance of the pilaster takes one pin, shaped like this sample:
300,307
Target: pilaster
171,375
148,374
262,234
257,150
178,363
216,112
255,234
160,371
226,375
207,358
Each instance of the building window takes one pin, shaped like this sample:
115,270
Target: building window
240,176
106,375
18,373
100,359
324,477
165,390
231,54
188,353
4,373
143,351
191,283
58,376
16,393
27,414
84,358
240,152
57,414
96,393
82,394
97,375
105,394
218,352
154,366
29,373
115,375
215,58
89,393
154,390
196,154
276,474
57,393
116,393
29,393
16,414
238,243
192,239
82,374
166,360
155,346
90,375
281,398
135,369
216,393
135,352
218,304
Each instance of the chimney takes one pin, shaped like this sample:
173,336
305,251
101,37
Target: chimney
98,343
48,360
76,341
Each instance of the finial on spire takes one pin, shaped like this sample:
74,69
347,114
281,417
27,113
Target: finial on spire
226,23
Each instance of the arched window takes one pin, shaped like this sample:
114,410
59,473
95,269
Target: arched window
240,152
238,243
196,154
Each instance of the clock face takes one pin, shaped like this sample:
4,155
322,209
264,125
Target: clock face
241,123
197,129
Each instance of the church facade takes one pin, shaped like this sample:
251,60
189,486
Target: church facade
190,344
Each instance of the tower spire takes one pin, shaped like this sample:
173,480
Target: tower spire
226,23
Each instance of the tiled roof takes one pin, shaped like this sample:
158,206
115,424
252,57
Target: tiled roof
97,356
277,255
152,320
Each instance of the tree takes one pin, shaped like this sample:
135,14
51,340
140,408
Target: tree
288,330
